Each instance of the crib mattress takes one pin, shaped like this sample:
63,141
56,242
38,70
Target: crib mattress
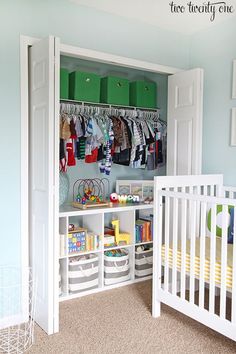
207,260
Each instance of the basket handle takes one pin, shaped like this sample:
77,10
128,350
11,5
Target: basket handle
86,272
121,266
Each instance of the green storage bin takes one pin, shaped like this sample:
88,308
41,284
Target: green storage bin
84,87
115,90
143,94
64,83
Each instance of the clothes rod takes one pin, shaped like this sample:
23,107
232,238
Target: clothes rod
107,105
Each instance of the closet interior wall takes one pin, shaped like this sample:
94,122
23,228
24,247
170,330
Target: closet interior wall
86,170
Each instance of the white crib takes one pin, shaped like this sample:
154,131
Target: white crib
194,270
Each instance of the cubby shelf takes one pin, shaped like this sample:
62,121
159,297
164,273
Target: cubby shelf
143,243
117,247
94,220
76,254
67,210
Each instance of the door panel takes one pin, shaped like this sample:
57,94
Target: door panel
184,146
42,180
183,151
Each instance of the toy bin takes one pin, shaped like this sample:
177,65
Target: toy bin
116,267
115,90
64,83
143,261
84,86
143,94
83,273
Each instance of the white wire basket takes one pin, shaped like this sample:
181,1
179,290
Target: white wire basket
17,309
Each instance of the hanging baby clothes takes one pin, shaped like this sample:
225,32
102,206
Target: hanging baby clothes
105,164
128,139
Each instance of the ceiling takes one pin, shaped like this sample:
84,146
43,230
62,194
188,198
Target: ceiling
158,13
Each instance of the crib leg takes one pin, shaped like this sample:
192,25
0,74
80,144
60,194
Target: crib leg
156,308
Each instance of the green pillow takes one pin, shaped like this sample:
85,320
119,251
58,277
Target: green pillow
219,209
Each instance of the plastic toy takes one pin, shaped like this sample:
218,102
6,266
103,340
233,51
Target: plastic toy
123,198
77,240
114,198
120,237
88,193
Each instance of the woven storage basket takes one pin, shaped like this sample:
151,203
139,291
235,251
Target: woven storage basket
83,273
143,263
116,269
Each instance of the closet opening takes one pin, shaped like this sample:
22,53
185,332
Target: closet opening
116,240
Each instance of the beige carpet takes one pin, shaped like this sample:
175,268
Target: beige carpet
119,321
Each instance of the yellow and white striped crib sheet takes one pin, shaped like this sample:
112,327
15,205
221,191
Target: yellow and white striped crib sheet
207,260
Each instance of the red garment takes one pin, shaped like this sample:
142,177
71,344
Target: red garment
157,148
93,157
70,154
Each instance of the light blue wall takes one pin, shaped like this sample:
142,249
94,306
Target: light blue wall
77,26
214,50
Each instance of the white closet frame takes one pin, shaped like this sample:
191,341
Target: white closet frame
68,50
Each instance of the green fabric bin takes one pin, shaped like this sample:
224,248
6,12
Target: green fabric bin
84,87
143,94
115,90
64,83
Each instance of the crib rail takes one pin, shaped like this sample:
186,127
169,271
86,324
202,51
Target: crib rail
229,192
194,266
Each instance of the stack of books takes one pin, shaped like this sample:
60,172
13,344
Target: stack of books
143,230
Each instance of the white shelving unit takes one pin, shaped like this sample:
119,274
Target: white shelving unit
95,220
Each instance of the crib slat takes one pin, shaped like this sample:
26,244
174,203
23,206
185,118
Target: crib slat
212,260
192,220
231,194
202,255
212,191
233,307
167,231
189,219
198,191
223,261
174,248
183,246
204,190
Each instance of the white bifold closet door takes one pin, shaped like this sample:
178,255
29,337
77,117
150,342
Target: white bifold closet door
43,206
184,123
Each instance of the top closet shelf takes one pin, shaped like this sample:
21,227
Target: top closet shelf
68,210
106,105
